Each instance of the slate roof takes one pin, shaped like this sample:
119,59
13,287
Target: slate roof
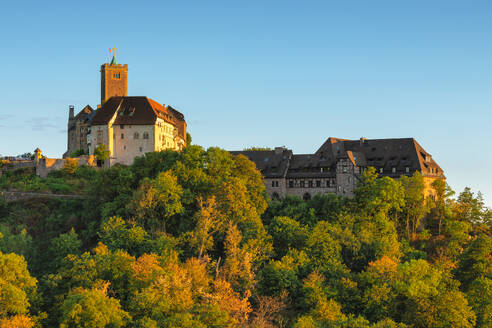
380,153
84,115
311,166
138,111
384,153
271,163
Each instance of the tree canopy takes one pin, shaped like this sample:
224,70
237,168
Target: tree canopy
191,239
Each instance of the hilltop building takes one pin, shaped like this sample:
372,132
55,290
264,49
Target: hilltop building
128,126
337,165
78,127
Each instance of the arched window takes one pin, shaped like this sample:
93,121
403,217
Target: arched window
146,135
136,135
307,196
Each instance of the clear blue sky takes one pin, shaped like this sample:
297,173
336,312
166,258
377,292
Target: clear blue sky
262,73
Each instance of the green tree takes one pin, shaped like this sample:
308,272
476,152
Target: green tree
286,233
20,243
441,208
480,297
471,208
61,246
116,234
157,200
427,299
415,207
378,195
475,262
209,221
188,139
77,153
92,308
17,288
101,152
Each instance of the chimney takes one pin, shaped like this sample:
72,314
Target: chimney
279,150
70,112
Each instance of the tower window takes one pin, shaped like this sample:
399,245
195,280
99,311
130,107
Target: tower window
116,75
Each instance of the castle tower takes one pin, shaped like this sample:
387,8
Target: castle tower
113,80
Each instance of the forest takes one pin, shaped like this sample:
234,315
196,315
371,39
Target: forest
191,239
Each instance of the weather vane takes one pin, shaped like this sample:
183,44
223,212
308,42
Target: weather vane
114,53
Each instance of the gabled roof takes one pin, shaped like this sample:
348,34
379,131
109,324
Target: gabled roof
138,111
84,115
388,154
398,153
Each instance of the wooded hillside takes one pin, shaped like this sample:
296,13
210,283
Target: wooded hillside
190,240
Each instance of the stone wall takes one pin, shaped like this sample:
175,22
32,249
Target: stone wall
16,164
46,165
12,196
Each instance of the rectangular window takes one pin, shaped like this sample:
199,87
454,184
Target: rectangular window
291,184
407,169
310,184
273,183
122,136
344,169
122,126
381,170
318,183
302,184
99,137
140,148
393,169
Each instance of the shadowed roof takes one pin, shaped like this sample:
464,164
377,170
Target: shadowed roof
138,111
396,157
271,163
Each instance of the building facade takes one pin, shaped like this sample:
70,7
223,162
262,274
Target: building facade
128,126
337,165
78,127
133,126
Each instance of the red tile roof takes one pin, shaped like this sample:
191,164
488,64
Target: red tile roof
138,111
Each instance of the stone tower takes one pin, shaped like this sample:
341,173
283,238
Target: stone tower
113,80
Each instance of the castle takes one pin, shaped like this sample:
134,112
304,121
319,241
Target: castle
127,126
337,165
132,126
